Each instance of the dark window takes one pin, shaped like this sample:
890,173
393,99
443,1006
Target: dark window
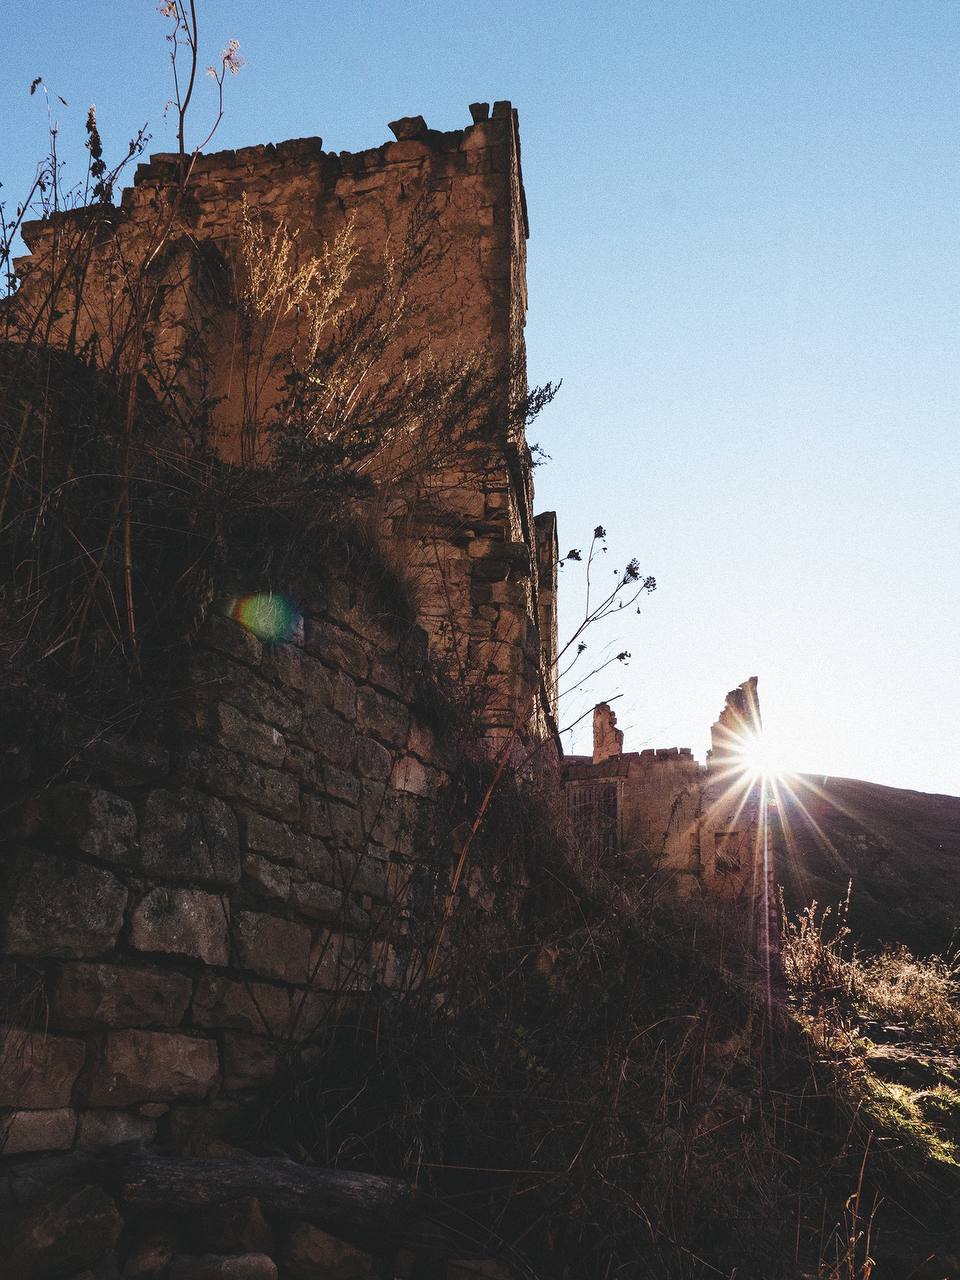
594,812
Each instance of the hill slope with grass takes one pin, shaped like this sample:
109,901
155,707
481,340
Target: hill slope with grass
901,850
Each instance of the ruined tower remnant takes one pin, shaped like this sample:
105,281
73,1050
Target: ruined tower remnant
453,205
737,724
697,822
607,738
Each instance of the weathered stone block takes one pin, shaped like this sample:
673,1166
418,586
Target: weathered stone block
189,835
317,901
266,835
233,776
297,670
37,1069
302,762
273,947
386,672
88,996
248,1061
310,1252
344,696
395,824
243,1266
373,760
150,1258
227,636
57,907
410,775
382,716
330,737
215,679
256,1007
97,822
23,1131
253,738
336,964
336,648
422,743
66,1230
329,819
237,1227
334,782
373,796
182,922
107,1128
315,857
369,874
151,1066
267,878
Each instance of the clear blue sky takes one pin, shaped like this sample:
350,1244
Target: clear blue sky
744,263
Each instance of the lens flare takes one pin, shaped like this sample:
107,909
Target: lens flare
269,617
757,755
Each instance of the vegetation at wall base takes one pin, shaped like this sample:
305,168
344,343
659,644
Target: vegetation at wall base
592,1086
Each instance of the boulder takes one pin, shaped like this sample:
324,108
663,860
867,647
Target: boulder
310,1252
72,1228
237,1227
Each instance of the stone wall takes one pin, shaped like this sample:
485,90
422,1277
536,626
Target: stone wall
698,823
464,528
183,907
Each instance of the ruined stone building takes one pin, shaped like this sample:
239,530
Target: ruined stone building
191,897
698,822
447,209
189,900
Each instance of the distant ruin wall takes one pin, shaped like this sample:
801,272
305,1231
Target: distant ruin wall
183,907
700,824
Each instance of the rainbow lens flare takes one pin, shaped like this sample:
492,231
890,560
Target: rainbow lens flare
270,617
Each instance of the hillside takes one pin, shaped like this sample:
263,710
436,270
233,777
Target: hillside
900,848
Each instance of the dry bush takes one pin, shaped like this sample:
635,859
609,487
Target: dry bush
920,993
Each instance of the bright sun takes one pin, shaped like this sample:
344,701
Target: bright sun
759,756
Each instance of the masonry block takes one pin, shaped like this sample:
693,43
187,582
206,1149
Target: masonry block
97,822
26,1131
273,947
231,775
248,1061
88,996
190,835
53,906
267,879
310,1252
182,922
38,1069
109,1128
151,1066
255,1007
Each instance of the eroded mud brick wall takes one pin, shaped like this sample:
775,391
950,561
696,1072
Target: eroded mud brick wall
182,909
469,535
